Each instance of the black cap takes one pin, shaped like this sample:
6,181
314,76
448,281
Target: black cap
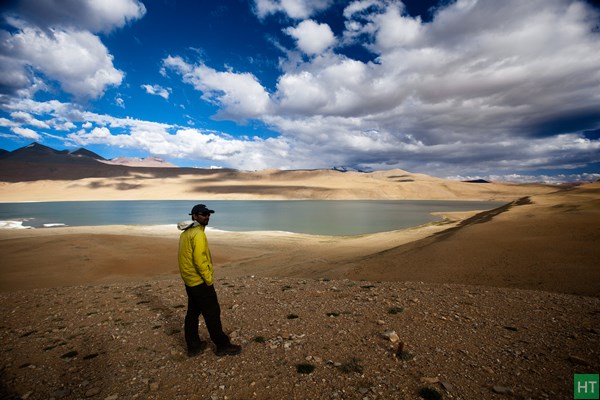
201,209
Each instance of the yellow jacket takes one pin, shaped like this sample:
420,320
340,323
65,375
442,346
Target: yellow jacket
195,261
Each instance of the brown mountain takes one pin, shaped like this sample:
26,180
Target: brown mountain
141,162
37,162
86,153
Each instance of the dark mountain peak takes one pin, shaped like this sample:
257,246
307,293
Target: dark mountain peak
35,148
347,169
87,153
477,181
38,153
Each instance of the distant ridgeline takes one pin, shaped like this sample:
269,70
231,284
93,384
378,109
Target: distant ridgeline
477,181
37,162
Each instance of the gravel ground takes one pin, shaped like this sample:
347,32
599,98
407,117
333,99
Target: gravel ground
302,339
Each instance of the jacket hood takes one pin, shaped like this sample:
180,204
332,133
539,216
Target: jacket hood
184,225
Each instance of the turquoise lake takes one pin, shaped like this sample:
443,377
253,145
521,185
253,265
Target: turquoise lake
318,217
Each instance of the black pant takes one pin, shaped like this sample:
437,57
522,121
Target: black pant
202,299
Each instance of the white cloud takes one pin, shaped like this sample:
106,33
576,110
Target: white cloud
312,38
6,122
28,119
173,141
395,30
55,42
102,135
61,125
26,133
240,95
76,59
332,86
360,6
157,90
297,9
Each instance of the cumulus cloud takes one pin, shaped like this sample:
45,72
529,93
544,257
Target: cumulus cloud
76,59
482,85
157,90
297,9
28,119
239,95
312,37
179,142
47,41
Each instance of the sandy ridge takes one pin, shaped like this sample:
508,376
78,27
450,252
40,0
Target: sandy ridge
263,185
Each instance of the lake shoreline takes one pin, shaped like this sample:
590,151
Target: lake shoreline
312,217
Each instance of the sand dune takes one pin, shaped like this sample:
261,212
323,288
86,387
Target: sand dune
189,184
546,242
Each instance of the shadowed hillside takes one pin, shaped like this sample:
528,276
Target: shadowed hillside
547,242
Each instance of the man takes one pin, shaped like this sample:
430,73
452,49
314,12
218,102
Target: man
196,268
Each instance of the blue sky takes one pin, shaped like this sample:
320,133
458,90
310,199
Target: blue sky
459,89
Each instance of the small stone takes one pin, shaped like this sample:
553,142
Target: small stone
92,392
502,390
112,397
60,393
447,386
426,379
154,386
392,336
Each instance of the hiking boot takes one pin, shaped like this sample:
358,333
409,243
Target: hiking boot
229,350
196,350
